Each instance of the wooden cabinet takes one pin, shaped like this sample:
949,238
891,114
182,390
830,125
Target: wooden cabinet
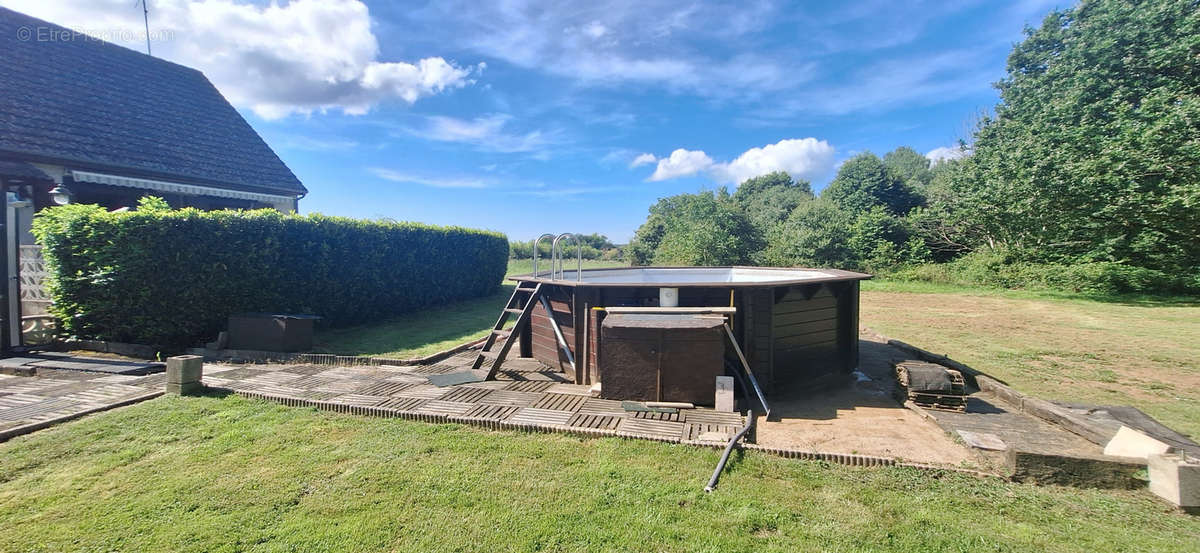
661,357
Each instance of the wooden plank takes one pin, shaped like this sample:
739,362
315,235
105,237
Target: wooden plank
651,428
384,388
403,403
674,310
529,386
548,417
465,394
560,402
448,408
797,329
490,412
788,306
807,340
509,397
808,316
593,421
708,416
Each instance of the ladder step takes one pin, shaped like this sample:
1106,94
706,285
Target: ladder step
524,289
502,333
513,310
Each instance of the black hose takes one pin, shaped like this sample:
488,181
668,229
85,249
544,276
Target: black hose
712,482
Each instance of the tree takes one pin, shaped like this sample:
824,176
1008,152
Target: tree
864,182
910,166
815,234
768,199
1094,152
695,229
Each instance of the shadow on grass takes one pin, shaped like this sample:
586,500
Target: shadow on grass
419,333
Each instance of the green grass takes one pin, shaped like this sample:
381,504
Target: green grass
1139,351
230,474
432,330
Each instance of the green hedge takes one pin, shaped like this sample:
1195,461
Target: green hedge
172,277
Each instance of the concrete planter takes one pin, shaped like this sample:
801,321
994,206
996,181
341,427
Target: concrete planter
184,373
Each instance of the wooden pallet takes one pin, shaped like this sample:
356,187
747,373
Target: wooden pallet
954,400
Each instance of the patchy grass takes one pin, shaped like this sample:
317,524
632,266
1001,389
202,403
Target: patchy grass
1138,351
230,474
432,330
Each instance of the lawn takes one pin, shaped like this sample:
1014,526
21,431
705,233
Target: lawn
1137,351
433,330
230,474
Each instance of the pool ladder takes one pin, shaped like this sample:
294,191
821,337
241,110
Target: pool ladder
556,256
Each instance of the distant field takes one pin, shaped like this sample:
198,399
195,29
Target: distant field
1140,352
432,330
223,473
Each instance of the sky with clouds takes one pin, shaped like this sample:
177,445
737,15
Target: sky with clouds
529,117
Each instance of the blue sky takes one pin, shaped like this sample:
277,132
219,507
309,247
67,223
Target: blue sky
532,117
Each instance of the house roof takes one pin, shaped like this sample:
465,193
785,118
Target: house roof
21,170
89,104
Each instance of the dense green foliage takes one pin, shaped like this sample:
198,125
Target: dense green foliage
1093,155
1087,178
592,246
695,229
171,278
769,199
864,182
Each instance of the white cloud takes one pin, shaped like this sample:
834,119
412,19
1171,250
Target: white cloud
595,29
277,59
643,42
487,133
642,159
803,158
681,163
943,153
436,182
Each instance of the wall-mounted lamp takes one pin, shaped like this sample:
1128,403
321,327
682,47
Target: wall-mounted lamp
60,195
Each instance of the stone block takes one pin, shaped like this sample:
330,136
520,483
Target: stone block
1176,479
184,369
724,397
1080,472
184,389
1131,443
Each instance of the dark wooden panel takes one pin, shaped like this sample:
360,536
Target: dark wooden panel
807,341
800,329
799,305
805,316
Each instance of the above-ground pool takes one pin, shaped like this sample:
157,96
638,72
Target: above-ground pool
693,276
796,326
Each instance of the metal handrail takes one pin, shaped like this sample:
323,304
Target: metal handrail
535,255
556,260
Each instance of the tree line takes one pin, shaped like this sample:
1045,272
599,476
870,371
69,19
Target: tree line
1087,176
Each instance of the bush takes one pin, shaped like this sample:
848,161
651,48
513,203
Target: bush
996,269
172,277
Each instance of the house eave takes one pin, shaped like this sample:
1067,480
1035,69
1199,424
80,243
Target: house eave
136,173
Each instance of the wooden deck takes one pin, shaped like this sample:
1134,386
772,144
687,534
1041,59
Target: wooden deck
527,396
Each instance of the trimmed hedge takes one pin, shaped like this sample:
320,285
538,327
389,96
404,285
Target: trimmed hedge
172,278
